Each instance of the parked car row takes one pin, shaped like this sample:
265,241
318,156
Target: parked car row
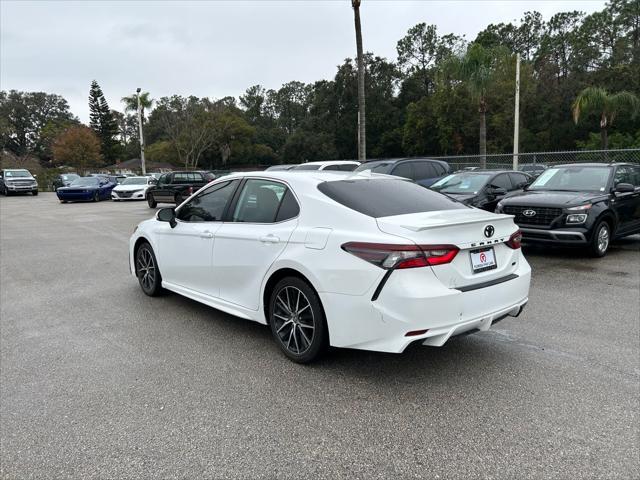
354,260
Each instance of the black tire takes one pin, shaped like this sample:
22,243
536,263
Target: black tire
300,330
600,240
151,201
34,193
96,196
147,271
178,198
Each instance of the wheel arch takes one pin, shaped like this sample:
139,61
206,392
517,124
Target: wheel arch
610,218
275,277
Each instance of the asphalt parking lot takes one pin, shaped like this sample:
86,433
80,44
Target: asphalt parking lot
98,380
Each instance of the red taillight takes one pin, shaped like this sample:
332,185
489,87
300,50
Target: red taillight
392,256
515,240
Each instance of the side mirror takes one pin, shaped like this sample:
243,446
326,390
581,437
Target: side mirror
167,215
624,188
522,185
497,191
35,176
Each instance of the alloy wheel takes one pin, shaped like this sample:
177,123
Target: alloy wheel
603,238
146,268
294,320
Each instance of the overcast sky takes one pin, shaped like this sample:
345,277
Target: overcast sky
215,48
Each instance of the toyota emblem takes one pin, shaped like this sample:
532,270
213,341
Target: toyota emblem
529,213
489,231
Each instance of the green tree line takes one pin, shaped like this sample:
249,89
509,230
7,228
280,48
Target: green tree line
442,95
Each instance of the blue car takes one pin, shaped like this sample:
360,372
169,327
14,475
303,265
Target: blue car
87,189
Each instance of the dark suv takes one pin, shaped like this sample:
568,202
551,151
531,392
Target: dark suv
586,204
174,187
423,171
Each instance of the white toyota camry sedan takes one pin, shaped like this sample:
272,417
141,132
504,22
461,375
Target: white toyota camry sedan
360,261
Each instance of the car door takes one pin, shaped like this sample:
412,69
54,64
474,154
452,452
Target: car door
162,191
499,181
627,204
263,217
185,251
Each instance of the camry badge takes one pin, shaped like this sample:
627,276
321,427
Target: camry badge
488,231
529,213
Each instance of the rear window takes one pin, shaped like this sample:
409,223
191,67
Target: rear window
384,198
315,166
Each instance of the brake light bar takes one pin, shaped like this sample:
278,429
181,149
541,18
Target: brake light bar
515,240
393,256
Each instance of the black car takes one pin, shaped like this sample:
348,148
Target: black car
63,180
174,187
481,188
424,171
586,204
534,169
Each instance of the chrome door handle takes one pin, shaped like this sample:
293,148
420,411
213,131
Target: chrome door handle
269,239
206,234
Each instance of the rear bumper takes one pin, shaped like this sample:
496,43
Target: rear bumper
417,301
572,236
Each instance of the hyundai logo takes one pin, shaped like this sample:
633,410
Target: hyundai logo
489,231
529,213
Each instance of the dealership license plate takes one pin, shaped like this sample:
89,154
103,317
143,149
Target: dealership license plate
483,259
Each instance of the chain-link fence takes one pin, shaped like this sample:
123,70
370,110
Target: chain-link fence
506,160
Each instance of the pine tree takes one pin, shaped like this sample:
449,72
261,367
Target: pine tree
103,123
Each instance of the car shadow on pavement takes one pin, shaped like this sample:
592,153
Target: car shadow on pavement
462,357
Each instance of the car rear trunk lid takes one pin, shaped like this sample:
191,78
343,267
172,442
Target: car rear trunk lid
471,230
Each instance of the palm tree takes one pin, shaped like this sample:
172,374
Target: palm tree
362,139
476,69
607,105
131,103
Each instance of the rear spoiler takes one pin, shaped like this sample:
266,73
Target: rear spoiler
445,223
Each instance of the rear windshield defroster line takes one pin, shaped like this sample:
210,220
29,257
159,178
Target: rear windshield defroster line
385,197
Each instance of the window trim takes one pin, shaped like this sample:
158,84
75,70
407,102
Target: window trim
227,218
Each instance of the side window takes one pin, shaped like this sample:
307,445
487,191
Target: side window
259,201
636,176
502,181
333,167
165,179
623,175
403,170
423,170
209,205
348,167
180,177
518,179
289,207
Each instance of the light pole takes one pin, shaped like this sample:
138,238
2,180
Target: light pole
142,163
516,117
